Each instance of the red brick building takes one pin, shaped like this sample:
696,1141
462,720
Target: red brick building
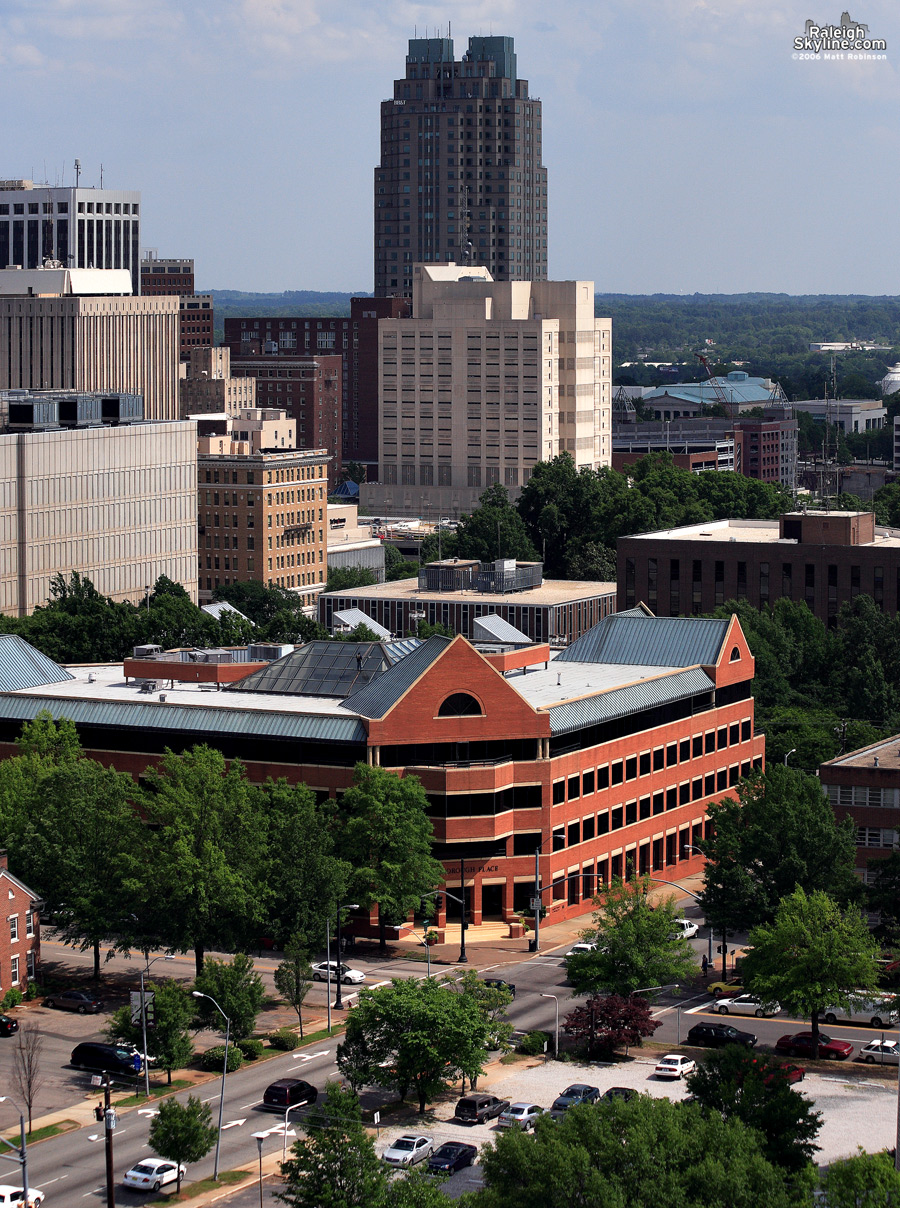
20,932
865,785
176,279
602,762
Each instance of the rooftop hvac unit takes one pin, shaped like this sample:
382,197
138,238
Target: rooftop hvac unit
146,652
267,652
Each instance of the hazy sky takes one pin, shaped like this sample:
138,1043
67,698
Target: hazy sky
687,149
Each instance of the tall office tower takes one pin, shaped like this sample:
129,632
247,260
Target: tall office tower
176,278
81,228
460,178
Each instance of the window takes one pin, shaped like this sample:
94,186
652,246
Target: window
13,928
14,971
29,924
587,786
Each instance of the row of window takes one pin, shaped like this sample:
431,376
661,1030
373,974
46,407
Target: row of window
14,926
876,836
14,967
859,795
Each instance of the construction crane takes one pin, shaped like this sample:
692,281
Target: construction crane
718,389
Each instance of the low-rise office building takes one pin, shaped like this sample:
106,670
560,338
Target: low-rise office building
208,386
20,938
865,785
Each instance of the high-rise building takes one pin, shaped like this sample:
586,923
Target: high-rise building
461,176
81,228
175,278
485,380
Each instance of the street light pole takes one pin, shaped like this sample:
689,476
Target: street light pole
556,1036
197,994
463,959
791,752
338,1000
537,897
292,1108
146,969
689,847
260,1137
22,1158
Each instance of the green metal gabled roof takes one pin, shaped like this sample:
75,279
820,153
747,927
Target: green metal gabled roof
649,641
22,666
633,698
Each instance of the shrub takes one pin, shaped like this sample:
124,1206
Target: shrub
214,1058
12,998
251,1048
32,990
285,1039
532,1045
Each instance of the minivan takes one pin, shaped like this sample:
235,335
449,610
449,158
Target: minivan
110,1058
878,1012
288,1092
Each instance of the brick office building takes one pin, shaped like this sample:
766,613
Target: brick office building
354,339
605,761
20,934
865,785
823,558
175,278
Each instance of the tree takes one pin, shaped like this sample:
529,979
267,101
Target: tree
237,989
811,956
867,1180
884,896
606,1023
182,1132
637,943
168,1039
413,1034
779,833
494,530
208,850
334,1165
293,977
635,1154
492,1001
753,1088
386,839
27,1078
345,578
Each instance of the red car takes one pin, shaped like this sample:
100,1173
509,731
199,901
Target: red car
801,1045
790,1073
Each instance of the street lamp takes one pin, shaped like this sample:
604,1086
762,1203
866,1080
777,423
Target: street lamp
198,994
291,1108
696,896
146,969
22,1152
791,752
555,998
338,1002
463,959
260,1137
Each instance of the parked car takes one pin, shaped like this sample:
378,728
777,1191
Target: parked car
746,1004
288,1092
715,1035
75,1000
574,1096
686,928
8,1025
497,983
107,1058
452,1155
582,947
674,1065
726,989
800,1044
880,1052
619,1092
790,1073
408,1150
152,1173
350,977
475,1109
519,1115
878,1012
16,1196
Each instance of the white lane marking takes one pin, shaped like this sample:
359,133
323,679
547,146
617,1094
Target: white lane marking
244,1106
233,1124
310,1056
148,1111
210,1099
46,1182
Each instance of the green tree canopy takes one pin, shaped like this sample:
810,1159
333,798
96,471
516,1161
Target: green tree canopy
867,1180
293,976
494,530
168,1039
238,990
811,955
182,1132
638,944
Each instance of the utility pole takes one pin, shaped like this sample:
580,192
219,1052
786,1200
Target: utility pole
537,898
463,959
109,1118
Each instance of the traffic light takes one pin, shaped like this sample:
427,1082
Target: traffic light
722,949
438,902
99,1114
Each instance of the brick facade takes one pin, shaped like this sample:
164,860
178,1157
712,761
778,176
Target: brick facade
20,932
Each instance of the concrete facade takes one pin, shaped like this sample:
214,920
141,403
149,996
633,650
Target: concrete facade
116,504
351,544
208,385
533,366
262,516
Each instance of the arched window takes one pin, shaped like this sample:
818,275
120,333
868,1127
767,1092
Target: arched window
735,655
460,704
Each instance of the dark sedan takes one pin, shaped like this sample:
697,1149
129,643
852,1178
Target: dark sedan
716,1035
497,983
801,1045
451,1156
574,1096
75,1000
8,1025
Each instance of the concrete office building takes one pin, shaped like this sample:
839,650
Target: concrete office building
117,503
262,506
175,278
354,338
461,176
823,558
351,544
208,386
78,227
81,329
865,786
485,380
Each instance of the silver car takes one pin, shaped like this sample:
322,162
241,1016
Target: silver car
519,1115
408,1150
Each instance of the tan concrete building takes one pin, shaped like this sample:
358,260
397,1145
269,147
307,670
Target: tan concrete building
116,504
486,379
256,430
262,516
77,329
208,386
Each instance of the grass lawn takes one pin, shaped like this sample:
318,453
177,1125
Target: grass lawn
192,1190
50,1130
156,1091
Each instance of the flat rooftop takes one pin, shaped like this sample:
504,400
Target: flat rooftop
578,680
887,752
551,591
759,532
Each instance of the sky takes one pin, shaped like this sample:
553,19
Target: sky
688,149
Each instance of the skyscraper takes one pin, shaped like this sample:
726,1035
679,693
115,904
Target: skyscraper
460,178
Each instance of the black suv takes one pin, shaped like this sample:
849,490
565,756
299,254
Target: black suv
475,1109
715,1035
497,983
288,1092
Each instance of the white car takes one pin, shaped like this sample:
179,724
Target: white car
687,928
582,947
350,977
880,1052
746,1004
152,1173
16,1196
408,1150
674,1065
